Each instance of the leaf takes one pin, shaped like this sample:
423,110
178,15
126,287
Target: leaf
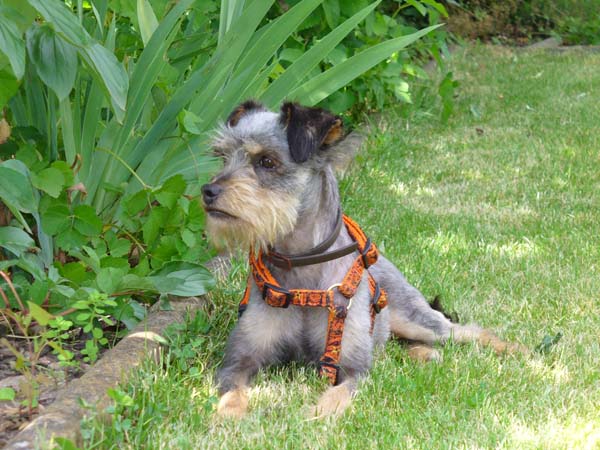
109,278
8,86
146,19
7,394
323,85
190,122
182,278
101,61
15,187
49,180
294,74
55,60
56,219
70,239
15,240
39,314
156,219
131,282
332,12
12,45
86,221
548,342
418,6
171,190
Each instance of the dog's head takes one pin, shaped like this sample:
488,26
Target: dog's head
269,162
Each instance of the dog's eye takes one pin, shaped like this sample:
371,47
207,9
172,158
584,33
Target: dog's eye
267,163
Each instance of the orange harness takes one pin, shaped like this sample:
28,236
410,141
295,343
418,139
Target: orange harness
279,297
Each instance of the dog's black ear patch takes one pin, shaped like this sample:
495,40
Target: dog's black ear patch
243,109
309,129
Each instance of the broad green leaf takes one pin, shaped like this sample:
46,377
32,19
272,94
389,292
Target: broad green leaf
101,61
294,74
7,394
49,180
39,314
156,220
109,278
131,282
18,12
15,187
55,60
182,278
86,221
70,239
8,85
146,20
332,12
170,191
66,171
12,45
63,20
38,290
111,72
323,85
15,240
56,219
418,6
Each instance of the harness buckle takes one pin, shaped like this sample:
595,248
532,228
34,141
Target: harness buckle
280,290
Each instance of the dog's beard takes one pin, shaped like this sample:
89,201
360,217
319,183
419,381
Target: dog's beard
258,216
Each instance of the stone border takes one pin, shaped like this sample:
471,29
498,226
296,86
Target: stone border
62,418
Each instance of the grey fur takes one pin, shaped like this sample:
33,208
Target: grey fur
265,335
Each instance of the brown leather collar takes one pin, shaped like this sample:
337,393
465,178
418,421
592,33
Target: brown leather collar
316,255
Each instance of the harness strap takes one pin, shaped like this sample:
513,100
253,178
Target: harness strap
279,297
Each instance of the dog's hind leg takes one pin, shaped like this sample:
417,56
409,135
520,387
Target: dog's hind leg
413,318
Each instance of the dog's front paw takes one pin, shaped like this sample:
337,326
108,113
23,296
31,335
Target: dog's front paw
333,402
233,404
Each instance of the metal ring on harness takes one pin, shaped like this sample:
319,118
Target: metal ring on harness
337,285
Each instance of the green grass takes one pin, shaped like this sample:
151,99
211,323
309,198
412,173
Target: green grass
497,211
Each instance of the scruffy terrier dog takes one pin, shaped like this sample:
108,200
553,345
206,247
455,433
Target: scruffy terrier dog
317,292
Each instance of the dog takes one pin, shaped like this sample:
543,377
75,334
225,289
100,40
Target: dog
277,194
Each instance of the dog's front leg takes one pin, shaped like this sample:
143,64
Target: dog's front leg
256,341
335,400
234,378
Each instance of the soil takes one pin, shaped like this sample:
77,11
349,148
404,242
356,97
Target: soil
49,375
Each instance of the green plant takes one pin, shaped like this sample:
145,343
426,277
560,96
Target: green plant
107,112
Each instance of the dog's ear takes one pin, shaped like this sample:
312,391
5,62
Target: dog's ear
243,109
309,129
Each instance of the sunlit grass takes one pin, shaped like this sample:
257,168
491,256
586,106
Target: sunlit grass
498,212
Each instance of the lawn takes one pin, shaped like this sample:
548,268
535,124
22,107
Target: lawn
496,211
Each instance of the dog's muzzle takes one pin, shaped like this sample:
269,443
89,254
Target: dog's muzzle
210,192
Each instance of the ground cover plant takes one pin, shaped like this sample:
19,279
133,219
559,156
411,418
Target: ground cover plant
496,212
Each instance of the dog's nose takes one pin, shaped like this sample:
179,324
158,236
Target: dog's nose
210,192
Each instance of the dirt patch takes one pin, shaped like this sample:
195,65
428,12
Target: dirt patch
49,376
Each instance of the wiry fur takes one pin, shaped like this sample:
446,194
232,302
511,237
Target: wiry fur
292,206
